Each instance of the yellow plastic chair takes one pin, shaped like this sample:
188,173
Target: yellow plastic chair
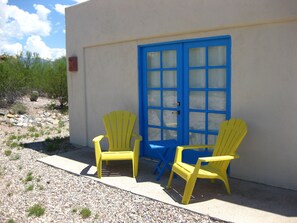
119,127
231,134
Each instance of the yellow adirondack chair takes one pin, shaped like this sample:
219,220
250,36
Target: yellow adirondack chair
231,134
119,127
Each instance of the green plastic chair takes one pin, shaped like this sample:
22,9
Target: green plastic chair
119,127
231,134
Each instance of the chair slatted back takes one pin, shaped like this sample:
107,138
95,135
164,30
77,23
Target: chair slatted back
231,134
119,127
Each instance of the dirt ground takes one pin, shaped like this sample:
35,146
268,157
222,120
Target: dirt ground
52,124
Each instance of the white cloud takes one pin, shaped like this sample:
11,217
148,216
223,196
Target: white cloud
35,44
11,49
17,22
3,15
41,11
17,25
60,8
80,1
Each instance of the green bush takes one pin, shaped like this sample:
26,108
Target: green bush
56,81
53,144
34,96
85,212
28,73
36,210
19,108
7,152
12,84
29,177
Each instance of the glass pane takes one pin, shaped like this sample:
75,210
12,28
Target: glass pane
197,99
169,134
169,79
196,139
217,78
169,59
154,134
154,98
217,55
154,117
212,139
153,60
153,79
169,99
170,118
217,100
197,79
214,121
196,57
197,120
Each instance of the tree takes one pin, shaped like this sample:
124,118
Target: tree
57,81
24,73
12,79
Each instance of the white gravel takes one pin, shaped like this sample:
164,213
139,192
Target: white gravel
63,195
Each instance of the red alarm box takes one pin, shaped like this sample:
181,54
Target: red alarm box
72,64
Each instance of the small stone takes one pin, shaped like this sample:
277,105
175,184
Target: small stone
10,115
3,113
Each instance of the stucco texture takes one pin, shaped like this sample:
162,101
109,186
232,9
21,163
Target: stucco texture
104,35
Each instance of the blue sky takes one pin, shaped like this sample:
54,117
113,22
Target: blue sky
34,25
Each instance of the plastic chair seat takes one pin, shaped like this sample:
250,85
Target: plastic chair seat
122,155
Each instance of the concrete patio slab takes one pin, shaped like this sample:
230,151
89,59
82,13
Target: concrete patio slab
249,202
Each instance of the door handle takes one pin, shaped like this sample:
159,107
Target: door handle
176,112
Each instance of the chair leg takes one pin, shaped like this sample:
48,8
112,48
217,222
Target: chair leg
226,182
99,168
134,168
170,180
188,191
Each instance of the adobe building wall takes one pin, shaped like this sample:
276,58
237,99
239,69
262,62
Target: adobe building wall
104,35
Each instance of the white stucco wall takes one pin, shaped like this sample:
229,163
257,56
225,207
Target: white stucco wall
105,35
113,86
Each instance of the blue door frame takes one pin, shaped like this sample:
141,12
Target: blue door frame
182,90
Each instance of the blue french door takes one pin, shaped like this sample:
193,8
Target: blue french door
184,92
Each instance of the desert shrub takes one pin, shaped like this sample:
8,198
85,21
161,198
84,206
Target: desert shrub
34,96
85,212
7,152
56,81
19,108
12,80
28,73
36,210
56,144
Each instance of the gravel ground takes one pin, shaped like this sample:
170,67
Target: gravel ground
25,182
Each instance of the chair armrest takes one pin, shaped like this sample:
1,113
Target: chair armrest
137,137
179,150
217,158
196,146
98,138
97,147
211,159
136,148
